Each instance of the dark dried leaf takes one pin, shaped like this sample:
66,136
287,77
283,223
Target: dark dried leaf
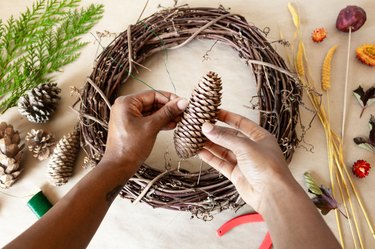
372,129
325,202
323,196
365,98
367,143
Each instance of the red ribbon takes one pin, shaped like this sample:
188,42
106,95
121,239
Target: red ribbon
242,219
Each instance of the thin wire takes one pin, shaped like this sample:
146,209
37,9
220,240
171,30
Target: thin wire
14,196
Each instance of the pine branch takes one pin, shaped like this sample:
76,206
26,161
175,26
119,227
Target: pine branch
41,41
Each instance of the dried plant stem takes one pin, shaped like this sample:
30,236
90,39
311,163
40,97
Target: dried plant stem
149,185
341,165
346,85
347,213
100,92
331,173
334,142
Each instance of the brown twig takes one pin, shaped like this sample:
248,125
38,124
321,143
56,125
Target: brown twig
205,192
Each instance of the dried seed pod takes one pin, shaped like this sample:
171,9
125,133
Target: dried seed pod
203,107
351,17
326,69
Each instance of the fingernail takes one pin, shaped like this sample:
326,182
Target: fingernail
207,127
182,104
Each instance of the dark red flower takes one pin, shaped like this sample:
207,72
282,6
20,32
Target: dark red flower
361,168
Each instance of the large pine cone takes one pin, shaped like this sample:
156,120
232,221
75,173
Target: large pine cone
62,161
10,155
203,107
39,104
40,143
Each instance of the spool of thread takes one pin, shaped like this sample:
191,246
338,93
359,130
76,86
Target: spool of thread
39,204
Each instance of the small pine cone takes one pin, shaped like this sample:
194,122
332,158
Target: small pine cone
39,103
40,143
10,155
61,165
203,107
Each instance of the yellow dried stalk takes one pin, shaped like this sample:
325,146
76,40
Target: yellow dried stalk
300,68
346,209
326,69
294,13
334,143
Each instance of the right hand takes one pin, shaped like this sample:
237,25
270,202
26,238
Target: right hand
246,154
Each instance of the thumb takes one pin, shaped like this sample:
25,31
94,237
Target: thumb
168,113
223,136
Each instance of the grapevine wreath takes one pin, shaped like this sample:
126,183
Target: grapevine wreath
278,93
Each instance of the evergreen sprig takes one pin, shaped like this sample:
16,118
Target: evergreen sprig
43,39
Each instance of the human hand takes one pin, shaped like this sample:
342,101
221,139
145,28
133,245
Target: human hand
135,121
246,154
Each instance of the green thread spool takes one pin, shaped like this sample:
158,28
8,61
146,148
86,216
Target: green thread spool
39,204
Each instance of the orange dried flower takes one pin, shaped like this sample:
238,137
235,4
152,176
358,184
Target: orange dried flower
366,54
319,34
361,168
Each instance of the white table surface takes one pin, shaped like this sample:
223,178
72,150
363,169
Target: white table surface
139,226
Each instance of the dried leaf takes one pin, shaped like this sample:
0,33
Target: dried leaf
367,143
365,98
294,14
325,202
326,68
323,198
311,185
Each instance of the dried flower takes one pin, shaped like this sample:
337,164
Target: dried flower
366,54
351,17
319,34
326,68
361,168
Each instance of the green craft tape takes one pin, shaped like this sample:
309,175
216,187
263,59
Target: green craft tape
39,204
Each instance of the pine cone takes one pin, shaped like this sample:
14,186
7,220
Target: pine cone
40,103
203,107
62,160
10,155
40,143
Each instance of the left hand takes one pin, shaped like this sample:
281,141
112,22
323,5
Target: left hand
135,120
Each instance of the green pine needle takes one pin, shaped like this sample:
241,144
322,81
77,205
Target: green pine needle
41,41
